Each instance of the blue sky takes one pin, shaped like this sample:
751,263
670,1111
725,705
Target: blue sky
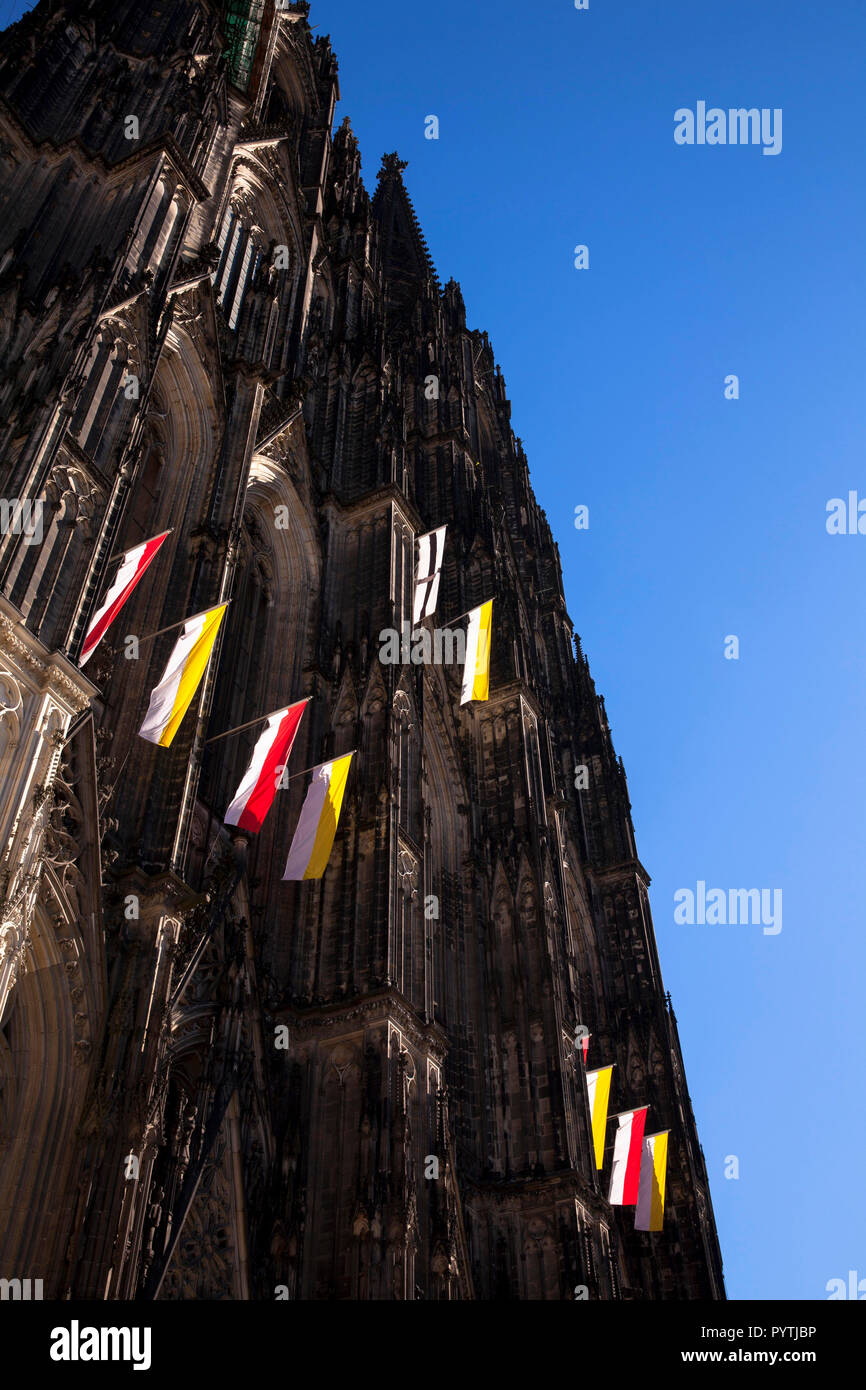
707,515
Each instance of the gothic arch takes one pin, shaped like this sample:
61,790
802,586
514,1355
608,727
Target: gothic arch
52,1064
357,423
268,644
187,431
259,297
291,78
448,838
590,983
43,578
255,195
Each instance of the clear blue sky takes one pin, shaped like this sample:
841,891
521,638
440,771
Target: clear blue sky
707,516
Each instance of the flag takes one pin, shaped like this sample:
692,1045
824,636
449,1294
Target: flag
625,1173
253,798
598,1085
583,1044
430,551
170,700
476,672
649,1212
132,567
317,826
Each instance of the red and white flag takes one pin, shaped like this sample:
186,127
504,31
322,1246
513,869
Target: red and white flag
132,567
258,788
627,1146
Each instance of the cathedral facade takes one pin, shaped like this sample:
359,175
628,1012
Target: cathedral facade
215,1084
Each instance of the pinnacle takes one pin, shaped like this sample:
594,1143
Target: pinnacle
392,166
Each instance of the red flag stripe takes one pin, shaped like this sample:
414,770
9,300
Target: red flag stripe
109,612
631,1182
254,809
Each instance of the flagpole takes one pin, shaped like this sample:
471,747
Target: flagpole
459,615
235,452
148,637
128,470
336,758
262,717
117,777
655,1135
120,554
468,611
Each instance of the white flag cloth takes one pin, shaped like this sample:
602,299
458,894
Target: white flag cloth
132,567
314,834
258,787
170,700
431,548
625,1171
649,1212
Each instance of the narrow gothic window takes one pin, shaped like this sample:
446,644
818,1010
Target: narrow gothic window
227,264
241,286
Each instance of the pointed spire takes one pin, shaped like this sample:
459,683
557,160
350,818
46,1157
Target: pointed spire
455,308
405,253
392,167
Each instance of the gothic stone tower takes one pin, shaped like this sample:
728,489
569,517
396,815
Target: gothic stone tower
209,325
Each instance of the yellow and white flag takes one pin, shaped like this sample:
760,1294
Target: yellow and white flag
317,826
598,1085
170,700
476,672
650,1209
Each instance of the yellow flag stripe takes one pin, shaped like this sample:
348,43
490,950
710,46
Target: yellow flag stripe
600,1101
194,669
481,684
660,1163
327,827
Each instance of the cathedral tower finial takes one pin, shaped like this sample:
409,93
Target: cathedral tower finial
392,166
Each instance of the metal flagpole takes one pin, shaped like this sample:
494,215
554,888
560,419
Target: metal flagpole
468,611
249,724
148,637
120,553
336,758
